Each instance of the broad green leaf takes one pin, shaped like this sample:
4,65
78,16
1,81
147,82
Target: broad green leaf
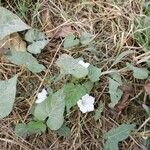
49,89
72,94
116,135
41,110
37,39
94,73
33,35
21,130
119,133
115,92
71,41
56,118
64,131
111,145
86,38
27,60
88,85
10,23
139,73
36,47
69,65
98,111
53,109
33,127
36,127
121,56
7,96
116,77
115,97
114,89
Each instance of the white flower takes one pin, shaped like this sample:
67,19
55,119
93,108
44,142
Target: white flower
82,63
86,103
41,96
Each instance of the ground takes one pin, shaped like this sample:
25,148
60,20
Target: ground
112,22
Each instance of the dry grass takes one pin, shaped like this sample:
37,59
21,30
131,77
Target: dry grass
112,23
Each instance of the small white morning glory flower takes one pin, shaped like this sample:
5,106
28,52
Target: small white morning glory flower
86,103
41,96
82,63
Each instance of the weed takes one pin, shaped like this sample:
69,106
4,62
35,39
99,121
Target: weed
100,66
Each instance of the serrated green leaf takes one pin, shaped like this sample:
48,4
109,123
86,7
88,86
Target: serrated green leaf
27,60
98,111
139,73
71,41
114,89
10,23
64,131
94,73
72,94
86,38
53,109
38,41
7,96
69,65
21,130
116,135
